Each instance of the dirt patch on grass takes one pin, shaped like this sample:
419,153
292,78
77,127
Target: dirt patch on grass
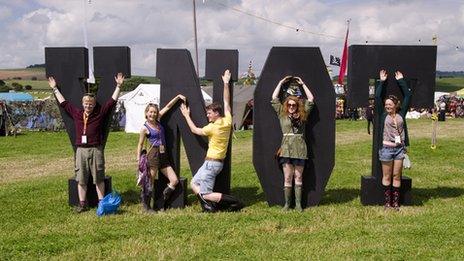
24,74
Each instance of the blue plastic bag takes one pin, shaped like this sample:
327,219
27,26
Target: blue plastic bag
109,204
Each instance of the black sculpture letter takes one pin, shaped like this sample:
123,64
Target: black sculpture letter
307,63
418,64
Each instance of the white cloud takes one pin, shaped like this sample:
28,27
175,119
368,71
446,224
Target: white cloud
5,12
145,25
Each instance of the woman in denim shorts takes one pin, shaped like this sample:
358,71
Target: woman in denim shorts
394,136
293,115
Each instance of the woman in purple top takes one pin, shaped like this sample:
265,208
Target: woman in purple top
156,154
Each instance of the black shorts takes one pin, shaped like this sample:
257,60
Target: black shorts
293,161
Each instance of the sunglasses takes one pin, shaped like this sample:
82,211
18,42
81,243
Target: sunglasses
292,105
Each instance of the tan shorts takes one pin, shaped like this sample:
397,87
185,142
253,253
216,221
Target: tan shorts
89,161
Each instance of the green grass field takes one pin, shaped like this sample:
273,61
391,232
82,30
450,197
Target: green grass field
37,223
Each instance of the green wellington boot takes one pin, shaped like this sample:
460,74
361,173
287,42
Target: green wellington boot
298,199
288,198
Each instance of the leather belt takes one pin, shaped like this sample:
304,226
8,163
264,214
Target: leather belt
211,159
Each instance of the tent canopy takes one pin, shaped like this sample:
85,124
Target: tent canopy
242,95
15,96
136,101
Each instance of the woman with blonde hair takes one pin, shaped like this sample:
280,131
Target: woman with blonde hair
157,157
293,115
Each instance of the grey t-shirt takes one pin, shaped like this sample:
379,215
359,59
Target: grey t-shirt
391,129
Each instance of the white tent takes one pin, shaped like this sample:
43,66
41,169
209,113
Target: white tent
438,95
136,101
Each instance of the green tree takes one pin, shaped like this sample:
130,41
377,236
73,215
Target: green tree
28,87
17,86
132,83
4,88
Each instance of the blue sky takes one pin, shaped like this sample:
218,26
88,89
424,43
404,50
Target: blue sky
249,26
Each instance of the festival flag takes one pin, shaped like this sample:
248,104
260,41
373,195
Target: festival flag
334,60
341,75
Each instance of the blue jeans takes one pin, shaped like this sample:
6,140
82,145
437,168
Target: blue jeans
391,153
206,175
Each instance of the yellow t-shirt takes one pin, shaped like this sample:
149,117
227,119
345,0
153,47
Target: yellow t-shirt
218,133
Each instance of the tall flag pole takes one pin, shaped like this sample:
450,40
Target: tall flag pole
341,75
91,78
195,36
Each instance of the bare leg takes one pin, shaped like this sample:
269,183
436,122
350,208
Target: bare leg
214,196
299,175
298,187
169,173
195,188
397,171
387,171
289,170
397,168
82,191
100,190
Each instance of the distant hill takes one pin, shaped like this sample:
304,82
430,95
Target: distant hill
36,73
36,66
449,74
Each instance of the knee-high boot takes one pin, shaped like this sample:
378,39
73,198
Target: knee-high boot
288,198
396,198
145,199
298,198
387,194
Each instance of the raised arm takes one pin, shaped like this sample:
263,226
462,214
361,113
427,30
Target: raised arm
186,112
226,96
119,79
170,104
275,94
407,93
379,91
58,95
308,93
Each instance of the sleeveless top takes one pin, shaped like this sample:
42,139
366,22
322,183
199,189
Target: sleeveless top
156,137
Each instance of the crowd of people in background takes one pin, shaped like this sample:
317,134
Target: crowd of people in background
450,106
44,115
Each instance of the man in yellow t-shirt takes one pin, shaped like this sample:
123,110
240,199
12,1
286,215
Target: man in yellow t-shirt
218,133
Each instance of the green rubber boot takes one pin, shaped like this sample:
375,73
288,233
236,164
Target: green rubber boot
288,198
298,198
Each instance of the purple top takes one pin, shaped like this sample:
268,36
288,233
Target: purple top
156,137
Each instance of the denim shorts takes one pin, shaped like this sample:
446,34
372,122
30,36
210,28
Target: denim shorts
293,161
206,175
391,153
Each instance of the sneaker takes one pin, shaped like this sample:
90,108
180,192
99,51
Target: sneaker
206,205
167,192
80,208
